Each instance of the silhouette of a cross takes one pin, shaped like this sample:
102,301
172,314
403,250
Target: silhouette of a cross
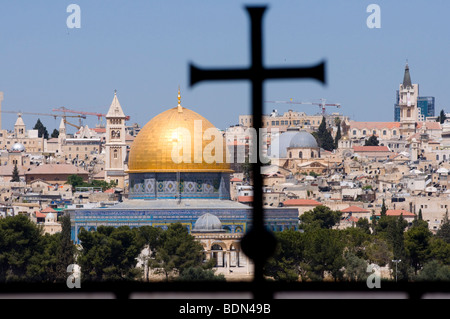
258,243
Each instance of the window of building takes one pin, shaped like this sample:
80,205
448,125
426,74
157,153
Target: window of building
364,132
384,132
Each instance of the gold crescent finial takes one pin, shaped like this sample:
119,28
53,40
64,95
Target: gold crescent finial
180,109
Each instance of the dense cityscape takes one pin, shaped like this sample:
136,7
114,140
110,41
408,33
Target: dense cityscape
158,203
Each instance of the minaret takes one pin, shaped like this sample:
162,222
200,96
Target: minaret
409,114
116,148
62,136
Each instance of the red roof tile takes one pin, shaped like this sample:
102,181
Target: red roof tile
354,209
374,125
235,179
301,202
370,148
398,212
48,209
40,215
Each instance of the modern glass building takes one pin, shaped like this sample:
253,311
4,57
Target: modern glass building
397,107
426,105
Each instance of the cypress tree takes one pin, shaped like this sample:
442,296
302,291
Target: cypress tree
337,137
383,209
66,249
15,174
42,130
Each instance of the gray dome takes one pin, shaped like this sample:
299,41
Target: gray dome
303,139
18,147
280,144
207,223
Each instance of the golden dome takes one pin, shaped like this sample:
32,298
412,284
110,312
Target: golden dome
157,142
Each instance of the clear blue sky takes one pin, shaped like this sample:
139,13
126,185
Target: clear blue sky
143,48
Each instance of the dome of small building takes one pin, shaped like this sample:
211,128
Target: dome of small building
208,223
50,218
18,147
303,139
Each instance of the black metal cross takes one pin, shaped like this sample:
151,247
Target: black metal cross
258,243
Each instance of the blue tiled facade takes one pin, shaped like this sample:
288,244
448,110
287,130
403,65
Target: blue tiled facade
234,221
181,185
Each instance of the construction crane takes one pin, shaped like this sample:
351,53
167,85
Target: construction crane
99,115
322,105
53,115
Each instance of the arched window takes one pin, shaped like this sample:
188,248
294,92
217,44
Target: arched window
312,154
216,247
437,157
300,154
408,113
115,154
290,154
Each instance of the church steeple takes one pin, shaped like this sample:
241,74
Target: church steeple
407,77
115,110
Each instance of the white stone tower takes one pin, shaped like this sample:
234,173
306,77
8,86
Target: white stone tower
62,136
115,147
409,114
19,127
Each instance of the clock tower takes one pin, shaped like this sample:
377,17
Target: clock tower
409,114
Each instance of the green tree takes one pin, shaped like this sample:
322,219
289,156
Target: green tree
199,274
338,136
363,223
372,141
20,239
75,181
383,209
15,174
324,137
66,249
55,133
377,251
321,217
285,264
178,251
444,231
42,130
109,254
417,242
434,271
441,118
439,250
355,267
323,254
150,238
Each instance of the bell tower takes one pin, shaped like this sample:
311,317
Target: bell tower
116,148
409,114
